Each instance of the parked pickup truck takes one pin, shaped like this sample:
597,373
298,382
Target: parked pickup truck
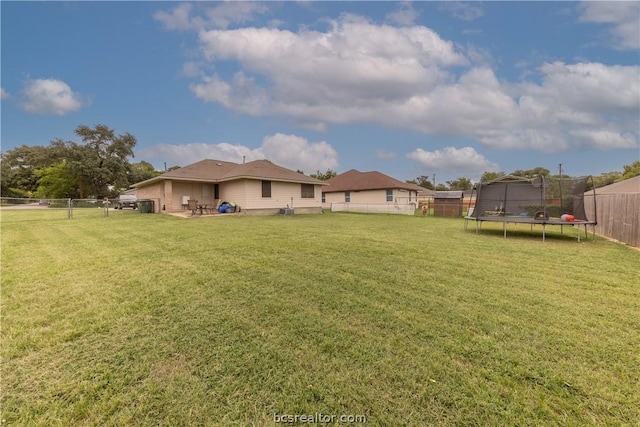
126,201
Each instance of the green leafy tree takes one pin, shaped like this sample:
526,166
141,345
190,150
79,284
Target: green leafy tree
101,161
460,184
490,176
605,179
441,187
324,176
142,171
629,171
19,167
422,181
56,182
531,173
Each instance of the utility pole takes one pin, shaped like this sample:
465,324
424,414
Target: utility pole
560,188
434,181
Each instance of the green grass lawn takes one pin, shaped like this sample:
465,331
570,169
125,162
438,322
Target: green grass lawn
153,320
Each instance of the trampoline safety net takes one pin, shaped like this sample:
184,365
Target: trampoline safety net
535,200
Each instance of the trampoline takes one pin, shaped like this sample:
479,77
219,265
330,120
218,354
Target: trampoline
539,201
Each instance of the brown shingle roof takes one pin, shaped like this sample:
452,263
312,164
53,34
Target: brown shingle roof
209,170
355,180
263,169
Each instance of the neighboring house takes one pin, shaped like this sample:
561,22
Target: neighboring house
370,188
258,187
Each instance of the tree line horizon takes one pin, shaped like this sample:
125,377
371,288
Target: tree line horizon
99,167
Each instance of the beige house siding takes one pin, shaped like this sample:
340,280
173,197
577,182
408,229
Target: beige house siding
235,191
246,193
401,197
282,194
202,192
153,192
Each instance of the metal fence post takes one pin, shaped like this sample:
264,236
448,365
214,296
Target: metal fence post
70,212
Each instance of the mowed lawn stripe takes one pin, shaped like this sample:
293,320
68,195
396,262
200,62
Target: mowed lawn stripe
155,320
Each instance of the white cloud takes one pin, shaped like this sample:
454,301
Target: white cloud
4,94
234,12
289,151
622,17
221,16
583,105
50,96
466,11
605,139
410,78
451,159
404,15
241,94
185,154
179,18
352,73
295,153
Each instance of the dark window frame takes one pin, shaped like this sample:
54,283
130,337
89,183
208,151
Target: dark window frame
266,189
307,191
390,195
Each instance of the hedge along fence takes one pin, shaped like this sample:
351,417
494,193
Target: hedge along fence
618,216
66,208
408,209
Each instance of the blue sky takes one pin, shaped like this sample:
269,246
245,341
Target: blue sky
404,88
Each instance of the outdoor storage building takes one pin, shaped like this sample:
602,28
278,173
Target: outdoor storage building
448,203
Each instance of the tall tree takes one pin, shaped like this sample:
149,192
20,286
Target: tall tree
324,176
56,182
460,184
629,171
490,176
142,171
422,181
102,160
531,173
19,168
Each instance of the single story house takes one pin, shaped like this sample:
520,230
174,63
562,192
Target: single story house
373,187
257,187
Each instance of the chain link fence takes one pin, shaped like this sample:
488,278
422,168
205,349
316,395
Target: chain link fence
55,208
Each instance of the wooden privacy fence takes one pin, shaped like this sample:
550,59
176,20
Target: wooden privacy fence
618,216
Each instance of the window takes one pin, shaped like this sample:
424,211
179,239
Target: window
324,198
389,195
307,191
266,188
347,196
